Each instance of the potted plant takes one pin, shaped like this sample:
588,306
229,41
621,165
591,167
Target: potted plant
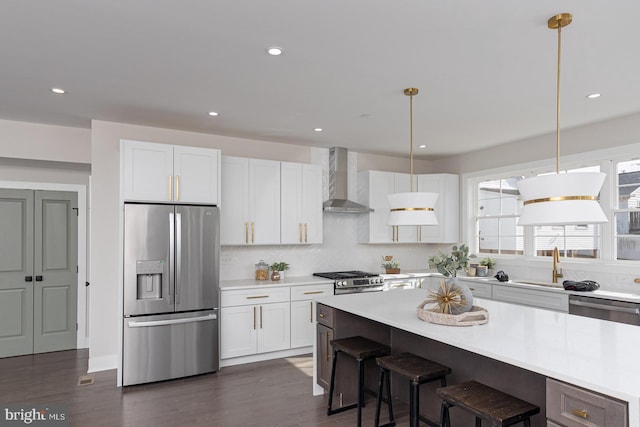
488,263
390,265
280,268
449,264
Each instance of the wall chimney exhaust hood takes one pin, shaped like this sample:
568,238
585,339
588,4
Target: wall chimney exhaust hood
338,185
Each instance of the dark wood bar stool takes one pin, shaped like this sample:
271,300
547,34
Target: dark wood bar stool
361,349
486,403
419,371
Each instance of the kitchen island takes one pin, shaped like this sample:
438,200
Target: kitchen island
518,350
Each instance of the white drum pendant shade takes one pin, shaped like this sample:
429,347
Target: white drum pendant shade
562,199
412,208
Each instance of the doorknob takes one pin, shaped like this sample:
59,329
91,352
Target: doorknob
38,278
28,278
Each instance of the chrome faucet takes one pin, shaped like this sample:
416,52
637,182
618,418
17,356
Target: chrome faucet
556,261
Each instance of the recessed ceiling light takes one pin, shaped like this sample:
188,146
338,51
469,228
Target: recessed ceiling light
317,129
274,51
57,90
213,113
593,96
422,146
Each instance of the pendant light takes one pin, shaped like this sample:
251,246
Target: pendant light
412,208
567,198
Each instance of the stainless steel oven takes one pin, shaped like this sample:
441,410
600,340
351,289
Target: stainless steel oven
350,282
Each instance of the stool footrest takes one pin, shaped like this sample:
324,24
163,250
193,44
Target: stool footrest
331,411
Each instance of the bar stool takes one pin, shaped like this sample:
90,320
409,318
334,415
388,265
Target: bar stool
486,403
419,371
361,349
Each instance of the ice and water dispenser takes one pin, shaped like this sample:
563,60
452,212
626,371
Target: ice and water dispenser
149,279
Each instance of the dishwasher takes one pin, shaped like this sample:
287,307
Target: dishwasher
605,309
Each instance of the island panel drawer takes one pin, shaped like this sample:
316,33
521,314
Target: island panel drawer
575,407
307,292
324,315
253,296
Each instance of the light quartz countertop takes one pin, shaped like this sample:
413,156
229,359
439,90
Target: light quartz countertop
595,354
226,285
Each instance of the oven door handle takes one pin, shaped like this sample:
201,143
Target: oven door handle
605,307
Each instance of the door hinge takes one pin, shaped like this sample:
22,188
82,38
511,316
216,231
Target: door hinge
76,327
86,284
77,269
77,211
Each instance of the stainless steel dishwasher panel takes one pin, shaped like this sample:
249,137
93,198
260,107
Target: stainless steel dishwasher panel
162,347
605,309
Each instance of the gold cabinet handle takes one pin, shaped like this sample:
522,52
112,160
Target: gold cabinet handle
321,315
253,232
170,187
177,187
300,231
246,232
326,346
310,311
313,293
582,413
306,232
258,296
254,318
260,317
419,233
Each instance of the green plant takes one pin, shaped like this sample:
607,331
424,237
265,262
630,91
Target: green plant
449,264
279,266
391,263
488,262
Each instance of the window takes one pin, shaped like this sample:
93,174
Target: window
497,232
627,212
497,217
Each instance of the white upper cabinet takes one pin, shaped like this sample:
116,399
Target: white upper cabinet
373,188
170,173
250,212
447,208
301,203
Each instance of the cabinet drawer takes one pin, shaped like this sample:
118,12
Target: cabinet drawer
324,315
307,292
479,289
532,297
253,296
574,407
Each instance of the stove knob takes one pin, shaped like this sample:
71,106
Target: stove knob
343,283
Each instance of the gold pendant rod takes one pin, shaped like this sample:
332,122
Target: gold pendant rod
558,102
410,92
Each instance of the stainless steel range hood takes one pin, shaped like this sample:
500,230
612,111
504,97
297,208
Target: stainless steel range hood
338,185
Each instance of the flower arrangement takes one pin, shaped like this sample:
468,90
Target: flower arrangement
449,264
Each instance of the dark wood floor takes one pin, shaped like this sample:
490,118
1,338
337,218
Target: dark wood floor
272,393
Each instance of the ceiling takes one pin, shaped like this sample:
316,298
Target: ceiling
486,70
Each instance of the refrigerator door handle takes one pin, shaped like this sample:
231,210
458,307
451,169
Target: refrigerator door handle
178,257
170,282
139,324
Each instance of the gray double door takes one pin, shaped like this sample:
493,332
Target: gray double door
38,271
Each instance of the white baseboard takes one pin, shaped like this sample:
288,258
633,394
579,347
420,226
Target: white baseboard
103,363
265,356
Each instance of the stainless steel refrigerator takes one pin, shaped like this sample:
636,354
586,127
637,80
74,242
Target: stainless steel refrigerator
171,274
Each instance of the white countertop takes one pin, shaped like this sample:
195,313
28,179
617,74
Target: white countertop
226,285
598,355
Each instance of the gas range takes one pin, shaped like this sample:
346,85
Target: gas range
349,282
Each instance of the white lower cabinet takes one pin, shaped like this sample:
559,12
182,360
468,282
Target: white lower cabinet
479,289
254,321
303,312
532,297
